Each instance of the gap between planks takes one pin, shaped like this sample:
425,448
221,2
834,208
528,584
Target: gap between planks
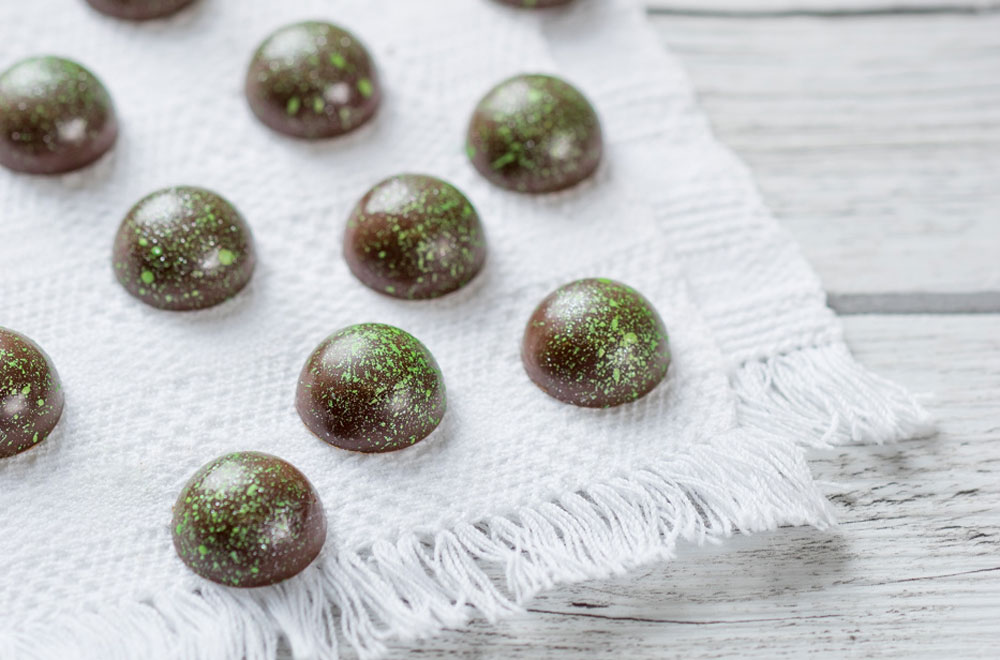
793,10
847,304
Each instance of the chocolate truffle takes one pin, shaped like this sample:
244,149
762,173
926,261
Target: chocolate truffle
31,397
535,134
536,4
138,10
371,388
183,248
312,80
248,519
55,116
414,237
595,343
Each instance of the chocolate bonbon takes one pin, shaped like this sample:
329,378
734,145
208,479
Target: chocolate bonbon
595,343
535,134
248,519
413,236
183,248
31,396
371,388
55,116
313,80
138,10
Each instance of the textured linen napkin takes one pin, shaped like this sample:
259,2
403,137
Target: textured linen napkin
550,493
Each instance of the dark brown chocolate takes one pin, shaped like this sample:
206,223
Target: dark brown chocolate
138,10
183,248
414,237
31,396
596,343
371,388
55,116
248,519
313,80
535,134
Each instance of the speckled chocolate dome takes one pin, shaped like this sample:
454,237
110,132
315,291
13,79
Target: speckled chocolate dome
138,10
31,396
413,236
313,80
55,116
535,134
596,343
183,248
371,388
248,519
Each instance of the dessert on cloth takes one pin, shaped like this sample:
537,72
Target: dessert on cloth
514,491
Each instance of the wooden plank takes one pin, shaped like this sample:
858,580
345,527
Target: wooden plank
817,7
875,141
912,572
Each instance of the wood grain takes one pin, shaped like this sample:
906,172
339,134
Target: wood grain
876,141
912,572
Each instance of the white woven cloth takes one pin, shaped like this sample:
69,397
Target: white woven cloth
544,492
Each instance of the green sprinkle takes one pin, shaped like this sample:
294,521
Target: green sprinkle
504,160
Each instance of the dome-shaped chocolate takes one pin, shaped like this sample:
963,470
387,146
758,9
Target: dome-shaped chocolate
595,343
535,134
414,237
313,80
55,116
183,248
248,519
371,388
31,396
138,10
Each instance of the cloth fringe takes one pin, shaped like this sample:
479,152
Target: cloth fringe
420,584
747,480
820,397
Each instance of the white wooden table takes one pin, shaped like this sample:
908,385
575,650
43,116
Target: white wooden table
874,132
